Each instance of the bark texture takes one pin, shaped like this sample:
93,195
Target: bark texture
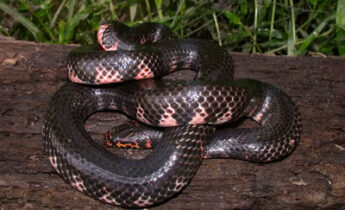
313,176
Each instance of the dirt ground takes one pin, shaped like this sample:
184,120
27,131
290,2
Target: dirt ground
313,176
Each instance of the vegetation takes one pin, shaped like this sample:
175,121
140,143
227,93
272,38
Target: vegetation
258,26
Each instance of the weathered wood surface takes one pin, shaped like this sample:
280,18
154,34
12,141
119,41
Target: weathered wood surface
311,177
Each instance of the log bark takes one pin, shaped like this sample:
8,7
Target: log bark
313,176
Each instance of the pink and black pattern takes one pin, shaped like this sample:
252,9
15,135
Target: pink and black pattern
134,61
92,170
190,111
250,144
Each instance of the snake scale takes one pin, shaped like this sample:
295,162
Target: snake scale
190,111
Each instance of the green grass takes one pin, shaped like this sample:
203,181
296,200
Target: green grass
260,26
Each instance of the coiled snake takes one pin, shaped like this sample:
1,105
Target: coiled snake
189,109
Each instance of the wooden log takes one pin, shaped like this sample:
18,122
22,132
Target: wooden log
313,176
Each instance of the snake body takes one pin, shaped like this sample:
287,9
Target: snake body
189,109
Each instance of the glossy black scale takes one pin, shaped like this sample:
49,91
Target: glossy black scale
212,98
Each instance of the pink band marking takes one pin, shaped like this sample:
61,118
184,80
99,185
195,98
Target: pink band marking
75,79
53,162
199,117
78,184
167,119
103,76
100,32
108,198
144,72
225,118
140,115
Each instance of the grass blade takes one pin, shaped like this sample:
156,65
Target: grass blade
4,31
57,13
217,28
292,31
272,19
255,25
133,11
159,9
179,7
313,35
69,22
34,30
340,18
42,25
148,7
112,10
340,21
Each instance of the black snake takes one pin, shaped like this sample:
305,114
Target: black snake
192,108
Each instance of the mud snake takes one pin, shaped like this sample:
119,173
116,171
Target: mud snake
189,109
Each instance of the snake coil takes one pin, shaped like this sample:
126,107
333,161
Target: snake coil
190,111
